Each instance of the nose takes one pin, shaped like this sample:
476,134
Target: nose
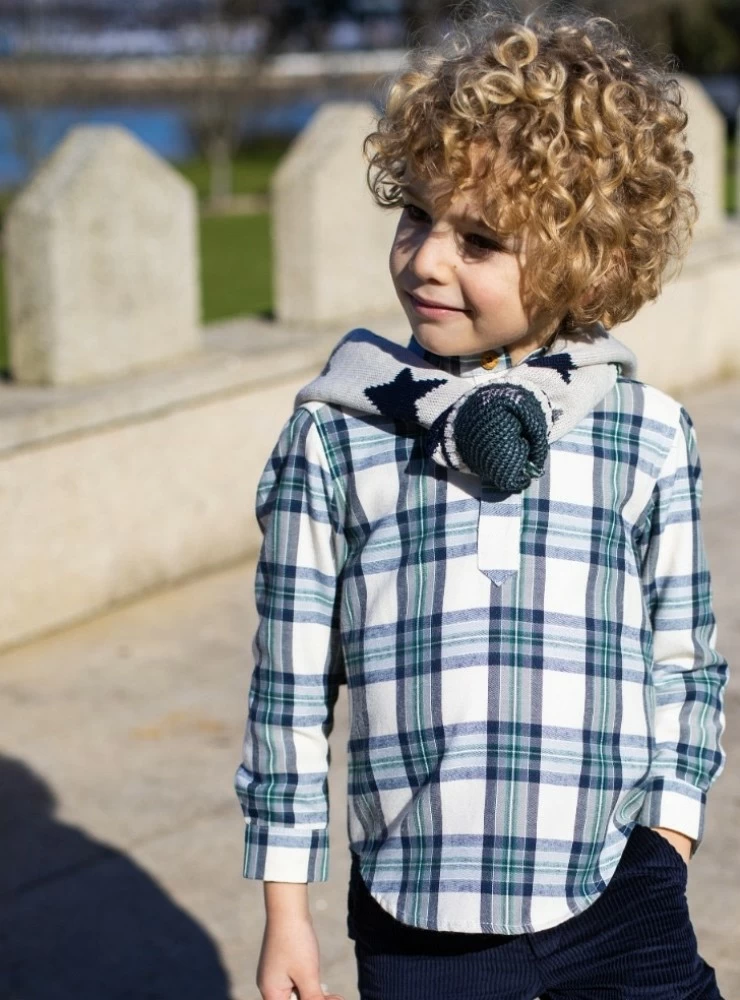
433,255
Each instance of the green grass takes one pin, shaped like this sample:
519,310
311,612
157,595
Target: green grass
731,203
236,265
4,359
251,170
5,199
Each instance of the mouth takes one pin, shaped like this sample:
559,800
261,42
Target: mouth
432,308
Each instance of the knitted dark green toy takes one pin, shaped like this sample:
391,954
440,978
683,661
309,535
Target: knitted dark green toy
501,435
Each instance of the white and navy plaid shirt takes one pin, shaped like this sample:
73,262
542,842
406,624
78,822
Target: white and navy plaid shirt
504,737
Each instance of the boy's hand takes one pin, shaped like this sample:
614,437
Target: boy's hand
289,961
680,841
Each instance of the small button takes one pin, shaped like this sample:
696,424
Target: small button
489,360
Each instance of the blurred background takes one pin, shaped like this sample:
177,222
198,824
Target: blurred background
220,87
153,335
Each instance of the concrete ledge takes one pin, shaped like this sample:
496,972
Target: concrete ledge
237,356
111,491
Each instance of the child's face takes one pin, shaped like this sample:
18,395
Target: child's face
457,263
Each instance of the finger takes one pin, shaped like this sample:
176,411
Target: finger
317,994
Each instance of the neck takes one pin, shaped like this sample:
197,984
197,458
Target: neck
485,361
480,363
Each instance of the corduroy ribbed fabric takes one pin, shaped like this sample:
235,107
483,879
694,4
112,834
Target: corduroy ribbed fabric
636,942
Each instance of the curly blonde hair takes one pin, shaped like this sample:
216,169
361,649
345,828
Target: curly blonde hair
586,153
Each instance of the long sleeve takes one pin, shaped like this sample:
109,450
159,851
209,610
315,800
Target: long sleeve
688,674
282,782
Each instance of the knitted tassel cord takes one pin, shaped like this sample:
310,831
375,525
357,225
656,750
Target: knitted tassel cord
501,435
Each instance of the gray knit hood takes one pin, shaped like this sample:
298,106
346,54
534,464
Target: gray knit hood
499,431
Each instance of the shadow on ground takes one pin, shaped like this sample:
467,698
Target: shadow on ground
78,919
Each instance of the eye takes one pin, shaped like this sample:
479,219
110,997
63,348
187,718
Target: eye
477,244
415,213
482,244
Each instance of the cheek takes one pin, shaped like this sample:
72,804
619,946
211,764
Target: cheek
405,238
498,290
397,257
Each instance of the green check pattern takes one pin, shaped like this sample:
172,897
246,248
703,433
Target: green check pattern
505,737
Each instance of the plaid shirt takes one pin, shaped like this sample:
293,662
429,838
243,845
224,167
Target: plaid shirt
505,734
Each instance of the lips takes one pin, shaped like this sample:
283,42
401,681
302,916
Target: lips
434,305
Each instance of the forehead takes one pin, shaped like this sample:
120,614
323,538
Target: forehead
472,196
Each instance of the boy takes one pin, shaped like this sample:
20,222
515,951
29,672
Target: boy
493,537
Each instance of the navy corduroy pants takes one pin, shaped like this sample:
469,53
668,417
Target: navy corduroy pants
636,942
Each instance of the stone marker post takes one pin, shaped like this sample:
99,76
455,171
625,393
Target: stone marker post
330,240
707,136
102,268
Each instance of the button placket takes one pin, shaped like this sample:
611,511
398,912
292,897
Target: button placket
489,360
499,534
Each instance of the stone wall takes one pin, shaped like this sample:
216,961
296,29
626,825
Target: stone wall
132,439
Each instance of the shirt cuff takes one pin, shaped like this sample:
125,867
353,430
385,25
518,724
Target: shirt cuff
286,853
675,805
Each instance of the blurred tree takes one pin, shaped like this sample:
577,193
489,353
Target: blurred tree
703,35
290,23
213,118
26,113
706,37
423,17
282,25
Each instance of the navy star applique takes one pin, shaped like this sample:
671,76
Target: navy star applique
562,363
397,399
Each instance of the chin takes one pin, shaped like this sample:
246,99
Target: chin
444,346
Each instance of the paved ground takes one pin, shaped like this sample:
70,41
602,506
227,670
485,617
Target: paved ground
120,836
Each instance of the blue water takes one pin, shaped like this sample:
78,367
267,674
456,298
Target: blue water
164,129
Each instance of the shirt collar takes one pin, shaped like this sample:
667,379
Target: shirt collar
468,365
